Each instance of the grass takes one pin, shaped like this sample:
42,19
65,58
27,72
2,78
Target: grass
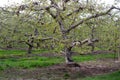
18,59
26,62
111,76
11,53
23,51
31,62
82,58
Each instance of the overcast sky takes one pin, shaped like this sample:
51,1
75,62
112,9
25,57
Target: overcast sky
9,2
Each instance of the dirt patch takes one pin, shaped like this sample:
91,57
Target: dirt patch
100,66
64,71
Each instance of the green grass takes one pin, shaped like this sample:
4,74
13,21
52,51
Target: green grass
5,52
111,76
31,62
82,58
26,62
11,53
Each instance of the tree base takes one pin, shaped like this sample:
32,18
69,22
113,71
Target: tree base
72,64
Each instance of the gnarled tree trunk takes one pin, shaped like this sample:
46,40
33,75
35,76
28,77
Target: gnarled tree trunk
29,51
68,55
68,52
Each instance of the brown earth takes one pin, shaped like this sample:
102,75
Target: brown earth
71,71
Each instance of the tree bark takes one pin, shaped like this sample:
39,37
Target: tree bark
29,49
68,55
92,37
93,48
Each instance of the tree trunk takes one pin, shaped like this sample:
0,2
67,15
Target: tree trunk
92,37
29,49
92,48
68,55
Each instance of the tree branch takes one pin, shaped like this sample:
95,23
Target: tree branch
50,12
80,43
88,18
43,39
26,43
75,11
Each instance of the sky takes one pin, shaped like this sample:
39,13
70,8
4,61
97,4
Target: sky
10,2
